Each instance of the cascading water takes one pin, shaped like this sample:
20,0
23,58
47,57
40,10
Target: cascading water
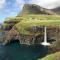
45,43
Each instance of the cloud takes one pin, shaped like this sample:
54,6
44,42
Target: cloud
2,3
20,3
50,4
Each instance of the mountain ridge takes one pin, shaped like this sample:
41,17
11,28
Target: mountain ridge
57,10
35,9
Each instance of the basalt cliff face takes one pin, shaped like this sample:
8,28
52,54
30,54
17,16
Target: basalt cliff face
53,34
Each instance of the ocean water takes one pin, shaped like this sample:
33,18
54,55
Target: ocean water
16,51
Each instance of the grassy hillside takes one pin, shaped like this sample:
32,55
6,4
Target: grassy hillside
32,17
26,24
39,17
55,56
11,21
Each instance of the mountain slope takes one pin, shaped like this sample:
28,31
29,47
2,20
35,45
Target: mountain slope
57,10
35,9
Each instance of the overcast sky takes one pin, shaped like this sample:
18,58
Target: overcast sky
12,7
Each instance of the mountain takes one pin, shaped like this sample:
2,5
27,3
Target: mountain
57,10
35,9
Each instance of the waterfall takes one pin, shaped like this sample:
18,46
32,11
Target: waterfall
45,43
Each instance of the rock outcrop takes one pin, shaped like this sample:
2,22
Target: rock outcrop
13,34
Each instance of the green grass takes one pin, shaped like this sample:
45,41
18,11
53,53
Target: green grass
26,21
33,17
42,17
54,56
25,24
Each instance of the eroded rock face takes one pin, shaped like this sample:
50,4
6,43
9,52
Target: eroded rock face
13,34
35,38
54,34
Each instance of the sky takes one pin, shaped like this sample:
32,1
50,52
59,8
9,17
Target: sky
10,8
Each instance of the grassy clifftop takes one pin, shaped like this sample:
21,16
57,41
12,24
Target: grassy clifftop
9,22
24,25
